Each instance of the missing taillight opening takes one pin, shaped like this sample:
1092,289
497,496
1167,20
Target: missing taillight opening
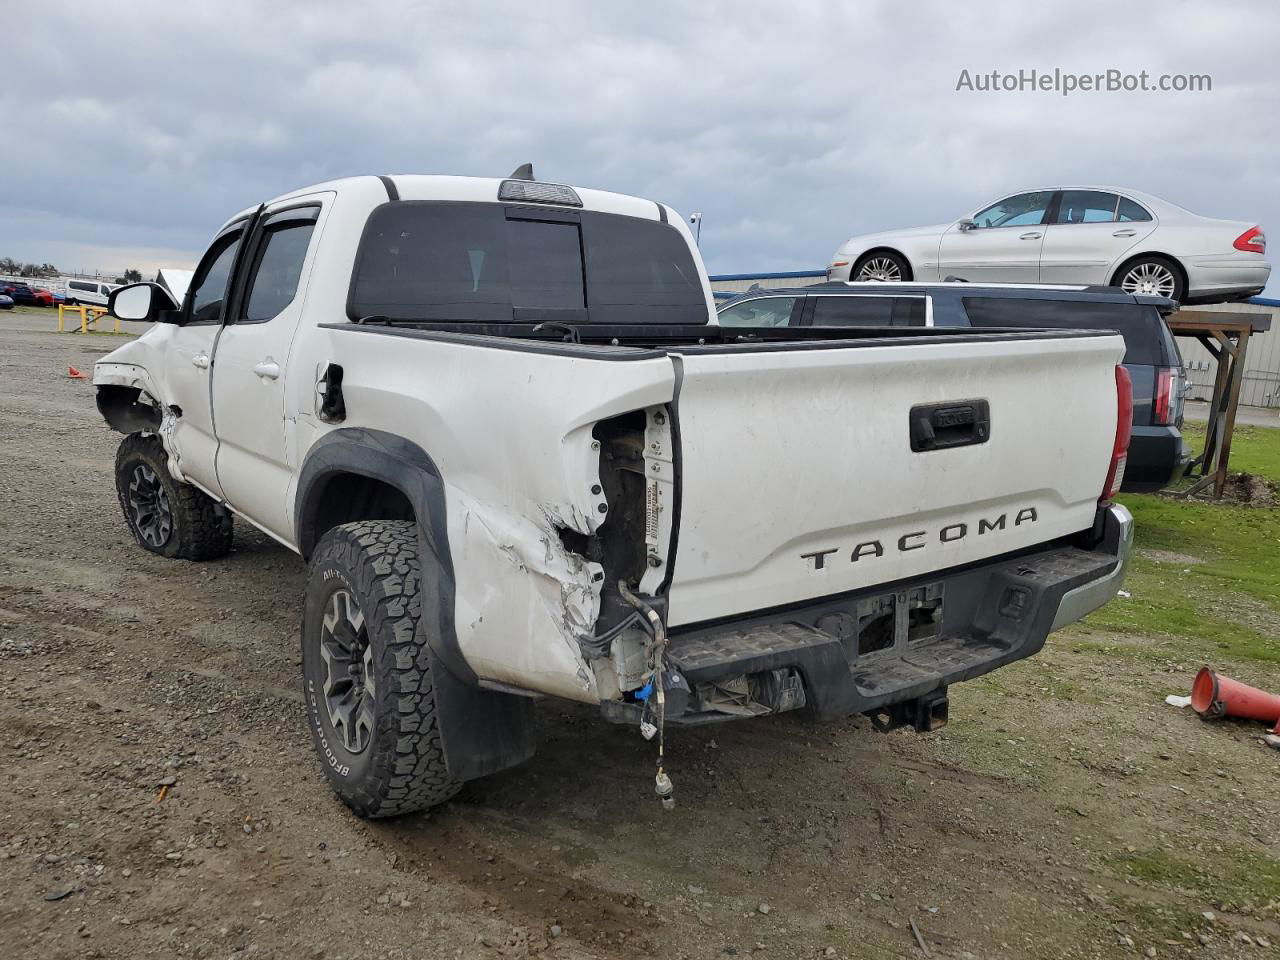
1252,240
1124,429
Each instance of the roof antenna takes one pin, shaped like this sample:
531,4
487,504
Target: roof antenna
522,172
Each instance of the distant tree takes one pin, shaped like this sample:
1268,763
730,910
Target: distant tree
132,276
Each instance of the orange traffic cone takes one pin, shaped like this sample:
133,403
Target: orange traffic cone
1217,696
75,374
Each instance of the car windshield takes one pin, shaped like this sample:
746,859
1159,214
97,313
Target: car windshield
496,263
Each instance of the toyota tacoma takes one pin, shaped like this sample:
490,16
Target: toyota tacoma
495,419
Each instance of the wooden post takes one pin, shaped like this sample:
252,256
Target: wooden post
1233,403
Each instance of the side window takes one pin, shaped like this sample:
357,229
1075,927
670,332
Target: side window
1086,206
1140,325
1023,210
277,267
209,289
1131,212
761,312
870,311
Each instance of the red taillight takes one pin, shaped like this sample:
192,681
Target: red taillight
1124,429
1252,240
1162,411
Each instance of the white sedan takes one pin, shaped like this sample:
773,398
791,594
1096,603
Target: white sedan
1092,235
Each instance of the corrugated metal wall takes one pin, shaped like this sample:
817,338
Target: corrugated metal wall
1260,388
1261,384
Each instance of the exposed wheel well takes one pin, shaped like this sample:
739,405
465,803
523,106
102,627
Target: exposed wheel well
124,411
1152,255
346,498
909,273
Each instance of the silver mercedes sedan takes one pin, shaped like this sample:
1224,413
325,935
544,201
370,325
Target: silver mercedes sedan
1093,235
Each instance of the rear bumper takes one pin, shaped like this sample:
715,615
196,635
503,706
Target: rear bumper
1232,273
1158,458
990,615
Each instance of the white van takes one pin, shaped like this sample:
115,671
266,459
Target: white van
92,292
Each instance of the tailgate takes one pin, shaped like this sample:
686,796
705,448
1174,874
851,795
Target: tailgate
798,479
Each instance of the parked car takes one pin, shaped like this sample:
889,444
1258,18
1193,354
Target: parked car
6,302
25,294
18,291
89,292
495,418
1089,235
1158,456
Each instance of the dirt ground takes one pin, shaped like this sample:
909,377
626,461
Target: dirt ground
1065,812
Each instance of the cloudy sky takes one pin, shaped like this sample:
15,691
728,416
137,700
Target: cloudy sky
134,129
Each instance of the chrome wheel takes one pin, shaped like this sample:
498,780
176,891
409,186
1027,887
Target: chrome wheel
1150,278
149,504
885,269
348,660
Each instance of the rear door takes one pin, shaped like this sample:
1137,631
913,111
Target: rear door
1086,238
798,477
1004,244
252,363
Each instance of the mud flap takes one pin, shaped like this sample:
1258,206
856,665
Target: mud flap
481,731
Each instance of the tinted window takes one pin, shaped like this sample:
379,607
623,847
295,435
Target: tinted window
1141,326
77,285
640,271
274,281
210,286
761,312
544,264
486,262
1023,210
1131,211
1086,206
868,311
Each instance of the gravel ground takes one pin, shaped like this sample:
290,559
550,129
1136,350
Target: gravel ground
162,798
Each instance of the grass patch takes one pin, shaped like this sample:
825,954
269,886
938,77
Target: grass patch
1253,449
1229,876
1230,598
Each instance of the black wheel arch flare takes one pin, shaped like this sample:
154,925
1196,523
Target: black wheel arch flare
482,731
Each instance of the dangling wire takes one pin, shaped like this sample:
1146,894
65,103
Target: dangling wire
661,782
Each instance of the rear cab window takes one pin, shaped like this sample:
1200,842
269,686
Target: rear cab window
502,263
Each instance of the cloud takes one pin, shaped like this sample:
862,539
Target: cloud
790,127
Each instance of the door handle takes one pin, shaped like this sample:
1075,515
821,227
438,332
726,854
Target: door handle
201,361
1124,233
267,369
1030,236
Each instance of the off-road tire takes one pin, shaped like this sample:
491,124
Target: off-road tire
401,768
200,529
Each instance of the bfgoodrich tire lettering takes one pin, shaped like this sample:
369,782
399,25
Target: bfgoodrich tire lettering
396,763
166,516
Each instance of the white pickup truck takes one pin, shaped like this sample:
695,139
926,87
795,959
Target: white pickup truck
494,418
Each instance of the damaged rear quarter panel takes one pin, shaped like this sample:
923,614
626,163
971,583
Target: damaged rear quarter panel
510,431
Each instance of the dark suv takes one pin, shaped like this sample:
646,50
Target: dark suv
1157,455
